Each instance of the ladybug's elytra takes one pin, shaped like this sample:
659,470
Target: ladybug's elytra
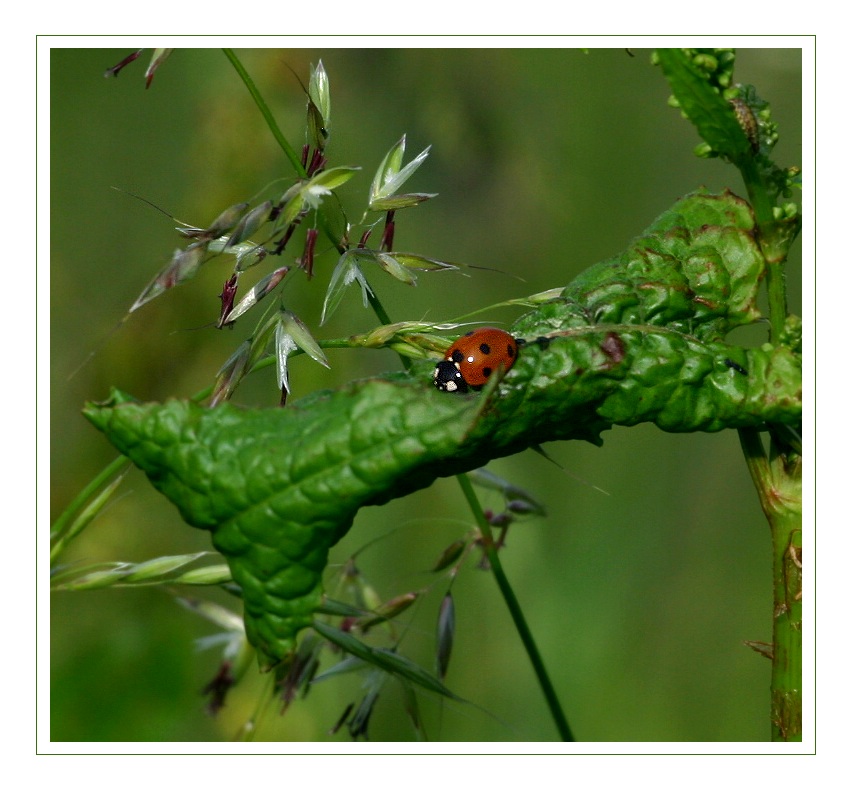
472,359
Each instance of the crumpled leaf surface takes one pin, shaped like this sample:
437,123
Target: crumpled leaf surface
638,338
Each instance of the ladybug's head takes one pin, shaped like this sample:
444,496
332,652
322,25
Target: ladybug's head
448,377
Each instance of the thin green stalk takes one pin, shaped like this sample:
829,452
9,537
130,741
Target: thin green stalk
248,731
265,111
70,512
85,518
378,309
384,318
516,612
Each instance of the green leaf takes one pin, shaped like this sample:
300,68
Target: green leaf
182,267
386,660
339,608
389,263
511,493
215,613
638,338
293,203
293,326
249,224
320,91
262,288
157,59
712,115
696,270
306,195
391,176
292,333
333,177
160,570
319,106
388,168
345,273
231,373
395,202
222,224
413,261
278,487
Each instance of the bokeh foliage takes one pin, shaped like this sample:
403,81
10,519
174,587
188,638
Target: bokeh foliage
545,162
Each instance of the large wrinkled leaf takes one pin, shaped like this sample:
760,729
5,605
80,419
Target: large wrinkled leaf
278,487
696,270
639,338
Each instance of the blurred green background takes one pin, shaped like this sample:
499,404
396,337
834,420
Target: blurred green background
545,162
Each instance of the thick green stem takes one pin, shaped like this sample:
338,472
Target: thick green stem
776,289
515,610
777,478
778,482
786,682
785,521
774,252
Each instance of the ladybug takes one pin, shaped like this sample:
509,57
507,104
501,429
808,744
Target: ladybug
472,359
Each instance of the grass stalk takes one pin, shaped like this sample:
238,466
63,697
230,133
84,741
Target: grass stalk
265,112
516,612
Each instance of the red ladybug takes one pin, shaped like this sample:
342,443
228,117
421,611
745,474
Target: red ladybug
472,359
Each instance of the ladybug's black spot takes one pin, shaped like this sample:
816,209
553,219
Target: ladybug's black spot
510,351
486,372
485,348
458,356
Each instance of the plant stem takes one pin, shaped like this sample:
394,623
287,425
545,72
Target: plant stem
265,112
61,523
777,479
777,476
516,611
378,309
85,518
248,730
384,318
776,289
762,204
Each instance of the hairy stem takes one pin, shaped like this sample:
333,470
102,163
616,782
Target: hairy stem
776,286
777,478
